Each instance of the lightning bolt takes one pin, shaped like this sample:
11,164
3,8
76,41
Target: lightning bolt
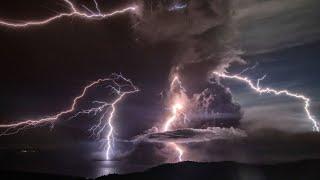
248,68
175,111
256,87
97,6
73,12
119,84
176,107
177,7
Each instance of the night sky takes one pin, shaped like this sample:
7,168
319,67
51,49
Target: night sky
44,67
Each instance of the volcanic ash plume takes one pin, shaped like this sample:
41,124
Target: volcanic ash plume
201,35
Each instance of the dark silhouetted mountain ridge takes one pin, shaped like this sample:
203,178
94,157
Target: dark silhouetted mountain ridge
301,170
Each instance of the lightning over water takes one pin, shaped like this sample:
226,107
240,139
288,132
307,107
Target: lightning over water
118,85
153,38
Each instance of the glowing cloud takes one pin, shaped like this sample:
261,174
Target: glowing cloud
176,107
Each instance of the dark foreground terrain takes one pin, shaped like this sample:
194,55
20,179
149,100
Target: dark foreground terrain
302,170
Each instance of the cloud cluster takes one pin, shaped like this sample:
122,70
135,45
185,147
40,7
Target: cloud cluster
214,107
201,35
189,135
201,32
154,147
267,26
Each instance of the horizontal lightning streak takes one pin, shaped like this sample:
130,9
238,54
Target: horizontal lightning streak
260,90
74,12
52,118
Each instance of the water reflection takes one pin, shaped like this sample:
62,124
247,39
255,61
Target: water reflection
117,167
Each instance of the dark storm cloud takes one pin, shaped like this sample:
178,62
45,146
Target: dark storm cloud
200,32
271,25
214,106
201,36
43,68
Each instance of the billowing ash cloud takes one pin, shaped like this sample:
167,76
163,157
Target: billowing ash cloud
201,31
214,107
202,36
